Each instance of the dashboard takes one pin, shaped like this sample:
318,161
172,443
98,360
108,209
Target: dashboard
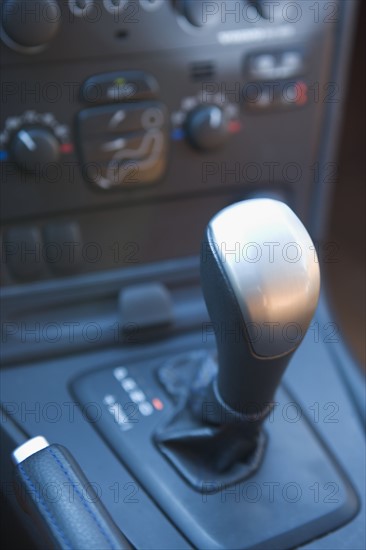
105,115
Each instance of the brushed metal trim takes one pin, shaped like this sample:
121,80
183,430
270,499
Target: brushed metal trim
272,265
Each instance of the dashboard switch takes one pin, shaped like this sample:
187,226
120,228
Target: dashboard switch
200,13
30,24
280,64
263,64
124,144
63,247
23,252
131,160
119,86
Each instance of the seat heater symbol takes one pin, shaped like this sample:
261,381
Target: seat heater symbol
126,163
116,119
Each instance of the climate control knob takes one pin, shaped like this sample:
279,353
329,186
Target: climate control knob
206,127
29,24
200,13
33,147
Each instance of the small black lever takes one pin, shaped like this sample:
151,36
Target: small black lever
66,522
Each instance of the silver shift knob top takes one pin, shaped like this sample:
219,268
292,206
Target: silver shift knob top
271,263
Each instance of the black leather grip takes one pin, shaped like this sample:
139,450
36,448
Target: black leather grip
56,493
246,382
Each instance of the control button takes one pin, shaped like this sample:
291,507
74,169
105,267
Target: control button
63,247
119,86
200,13
264,96
23,256
270,66
82,8
124,117
30,24
292,61
114,6
151,5
207,127
124,144
263,64
33,147
274,11
264,8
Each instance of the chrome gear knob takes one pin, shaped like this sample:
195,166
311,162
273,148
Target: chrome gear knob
261,281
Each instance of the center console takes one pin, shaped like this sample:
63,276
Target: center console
126,126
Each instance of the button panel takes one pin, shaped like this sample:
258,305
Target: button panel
32,252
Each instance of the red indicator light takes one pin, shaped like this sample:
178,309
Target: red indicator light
302,93
158,405
66,148
234,126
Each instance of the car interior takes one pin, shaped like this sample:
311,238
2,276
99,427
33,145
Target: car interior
182,274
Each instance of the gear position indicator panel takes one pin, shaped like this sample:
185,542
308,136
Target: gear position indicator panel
298,490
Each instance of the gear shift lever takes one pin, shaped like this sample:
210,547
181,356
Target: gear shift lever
260,279
260,274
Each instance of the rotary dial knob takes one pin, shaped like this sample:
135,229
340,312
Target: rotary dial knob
207,127
35,146
29,24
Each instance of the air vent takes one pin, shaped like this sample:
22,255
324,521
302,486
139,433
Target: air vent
202,70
